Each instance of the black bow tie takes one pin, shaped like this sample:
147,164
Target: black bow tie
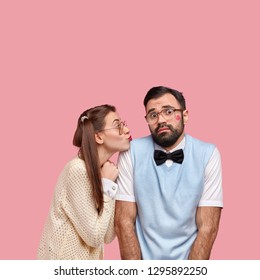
160,157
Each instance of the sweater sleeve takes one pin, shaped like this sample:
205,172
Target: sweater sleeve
81,210
110,234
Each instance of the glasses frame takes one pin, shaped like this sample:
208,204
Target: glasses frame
120,127
158,113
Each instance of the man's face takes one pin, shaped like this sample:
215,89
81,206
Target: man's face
167,129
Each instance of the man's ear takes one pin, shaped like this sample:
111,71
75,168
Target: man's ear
99,138
185,116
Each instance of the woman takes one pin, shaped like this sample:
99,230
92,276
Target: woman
81,216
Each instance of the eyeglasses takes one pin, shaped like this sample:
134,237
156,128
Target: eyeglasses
167,113
120,126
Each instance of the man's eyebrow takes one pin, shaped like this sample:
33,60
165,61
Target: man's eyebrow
165,106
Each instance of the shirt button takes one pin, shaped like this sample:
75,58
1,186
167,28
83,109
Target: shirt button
113,188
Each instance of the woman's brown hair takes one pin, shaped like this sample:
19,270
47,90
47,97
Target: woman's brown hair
90,122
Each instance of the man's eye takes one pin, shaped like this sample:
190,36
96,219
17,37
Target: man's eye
153,115
169,111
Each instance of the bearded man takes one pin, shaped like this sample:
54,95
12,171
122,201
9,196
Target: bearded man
169,199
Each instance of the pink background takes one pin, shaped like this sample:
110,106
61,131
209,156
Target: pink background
59,58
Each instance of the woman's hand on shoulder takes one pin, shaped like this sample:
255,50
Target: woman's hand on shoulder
109,170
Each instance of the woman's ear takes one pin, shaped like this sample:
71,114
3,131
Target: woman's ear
98,138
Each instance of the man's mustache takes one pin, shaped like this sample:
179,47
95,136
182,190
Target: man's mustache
163,125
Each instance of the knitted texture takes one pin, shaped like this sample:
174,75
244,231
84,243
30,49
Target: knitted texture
74,230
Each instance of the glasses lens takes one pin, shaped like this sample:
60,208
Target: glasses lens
121,127
152,117
167,114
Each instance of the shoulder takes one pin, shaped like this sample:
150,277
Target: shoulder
76,174
76,166
199,149
198,142
142,141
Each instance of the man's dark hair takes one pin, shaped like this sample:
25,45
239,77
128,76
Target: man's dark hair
159,91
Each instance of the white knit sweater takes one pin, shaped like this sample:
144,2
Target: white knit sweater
74,230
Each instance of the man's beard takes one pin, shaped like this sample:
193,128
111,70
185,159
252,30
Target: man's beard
167,139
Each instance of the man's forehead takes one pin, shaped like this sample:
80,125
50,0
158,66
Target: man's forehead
162,102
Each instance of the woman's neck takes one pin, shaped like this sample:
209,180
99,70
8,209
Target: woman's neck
103,155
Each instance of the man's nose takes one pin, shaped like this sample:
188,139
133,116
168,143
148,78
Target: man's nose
161,119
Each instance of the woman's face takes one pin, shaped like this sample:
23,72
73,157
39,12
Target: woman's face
116,135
